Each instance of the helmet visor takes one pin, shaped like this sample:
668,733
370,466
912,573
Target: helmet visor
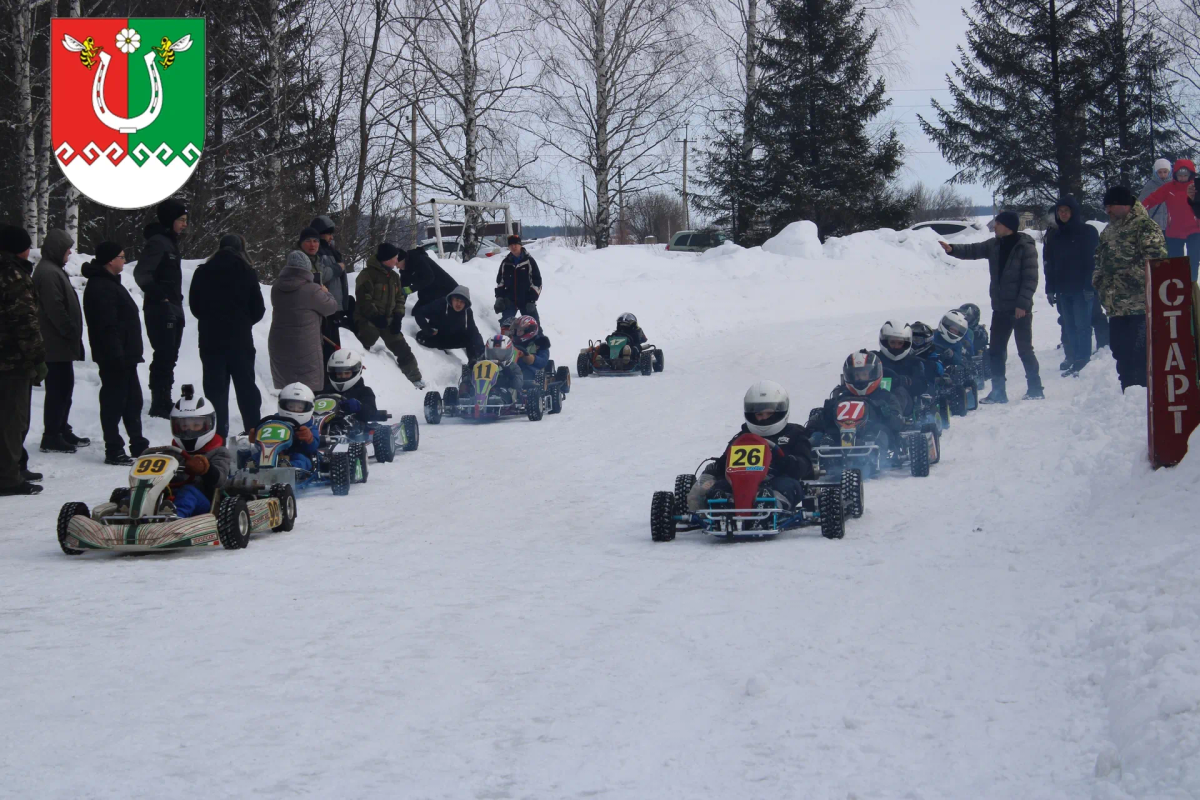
766,412
862,377
192,427
296,406
501,355
342,374
897,345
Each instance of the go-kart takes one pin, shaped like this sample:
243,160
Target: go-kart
603,357
960,388
748,509
142,517
479,397
266,457
384,437
918,446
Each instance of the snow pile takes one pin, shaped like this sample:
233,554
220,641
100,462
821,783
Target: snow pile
798,239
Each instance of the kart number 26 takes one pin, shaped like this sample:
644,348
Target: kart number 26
151,465
747,456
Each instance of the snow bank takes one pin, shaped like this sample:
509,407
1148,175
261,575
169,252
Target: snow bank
798,239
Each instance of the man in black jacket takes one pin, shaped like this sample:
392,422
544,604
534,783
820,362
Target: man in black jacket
447,324
227,302
115,334
61,320
1069,258
1013,263
518,282
421,274
159,274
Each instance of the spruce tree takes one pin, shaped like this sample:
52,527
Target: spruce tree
818,159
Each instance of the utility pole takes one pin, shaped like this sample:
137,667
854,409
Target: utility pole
620,205
687,218
416,237
583,187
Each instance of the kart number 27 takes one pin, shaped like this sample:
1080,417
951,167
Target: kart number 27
851,410
151,465
747,456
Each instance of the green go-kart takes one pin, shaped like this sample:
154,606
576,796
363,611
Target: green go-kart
613,355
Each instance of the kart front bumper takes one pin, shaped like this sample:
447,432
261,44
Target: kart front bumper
114,532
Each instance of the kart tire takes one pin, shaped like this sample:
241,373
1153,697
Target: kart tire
339,474
852,493
64,518
931,428
385,448
943,412
233,523
533,405
562,376
659,361
119,495
583,365
287,506
683,486
412,433
433,407
358,462
662,517
464,377
556,400
833,520
958,402
918,455
646,363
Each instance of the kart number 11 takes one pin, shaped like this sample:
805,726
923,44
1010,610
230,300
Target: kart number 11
747,457
484,370
151,465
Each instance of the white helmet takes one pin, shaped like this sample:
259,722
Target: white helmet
766,396
344,369
499,348
891,330
193,420
953,326
296,403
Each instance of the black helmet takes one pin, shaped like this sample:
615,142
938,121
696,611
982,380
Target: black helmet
922,337
971,312
626,321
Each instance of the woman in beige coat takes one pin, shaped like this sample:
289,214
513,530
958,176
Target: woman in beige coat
297,308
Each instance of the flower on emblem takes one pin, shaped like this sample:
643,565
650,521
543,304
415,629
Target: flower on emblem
128,40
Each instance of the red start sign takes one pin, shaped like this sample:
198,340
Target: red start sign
1174,396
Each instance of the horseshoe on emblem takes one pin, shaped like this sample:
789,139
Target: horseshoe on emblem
124,124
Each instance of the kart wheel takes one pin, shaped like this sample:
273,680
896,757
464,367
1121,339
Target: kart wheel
958,402
64,518
944,412
556,400
550,369
385,448
119,496
683,485
852,493
464,377
339,474
931,429
918,455
233,523
659,361
287,506
533,405
646,363
662,517
412,433
433,407
583,365
562,376
358,462
833,521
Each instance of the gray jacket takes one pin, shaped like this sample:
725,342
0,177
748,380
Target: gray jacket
294,344
1013,282
1159,214
59,313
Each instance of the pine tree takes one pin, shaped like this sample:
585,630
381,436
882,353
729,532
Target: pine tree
727,182
819,161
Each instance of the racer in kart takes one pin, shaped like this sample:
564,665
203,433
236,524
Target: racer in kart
296,406
949,340
627,326
922,348
511,381
862,376
976,331
532,346
345,374
765,408
907,371
206,462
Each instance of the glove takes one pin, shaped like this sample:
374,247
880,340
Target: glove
304,435
407,290
40,373
531,349
395,326
1051,298
196,465
351,405
499,306
419,384
252,435
379,321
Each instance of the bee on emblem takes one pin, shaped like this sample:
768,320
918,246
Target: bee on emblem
167,50
89,51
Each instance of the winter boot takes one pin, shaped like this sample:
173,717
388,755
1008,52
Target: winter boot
23,488
75,441
138,446
1034,392
56,444
30,477
1065,365
998,393
160,404
118,459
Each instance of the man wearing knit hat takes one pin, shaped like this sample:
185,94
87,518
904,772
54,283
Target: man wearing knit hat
22,359
159,274
379,309
1162,174
1013,263
1120,279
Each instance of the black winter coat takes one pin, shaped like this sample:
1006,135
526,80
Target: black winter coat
227,301
441,316
886,409
519,279
366,398
114,326
159,270
1069,253
424,276
909,373
798,455
1013,282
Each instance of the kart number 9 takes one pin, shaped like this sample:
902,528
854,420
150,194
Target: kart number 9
151,465
748,456
484,370
325,405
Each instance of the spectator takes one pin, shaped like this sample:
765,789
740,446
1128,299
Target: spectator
227,301
421,274
333,273
22,360
1069,258
310,244
1120,279
159,273
1013,264
379,309
447,323
115,334
61,321
1162,174
299,306
518,283
1183,228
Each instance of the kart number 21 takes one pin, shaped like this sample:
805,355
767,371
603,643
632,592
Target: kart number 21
151,465
747,456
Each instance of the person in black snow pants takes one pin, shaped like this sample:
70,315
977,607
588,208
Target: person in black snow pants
159,274
448,324
518,283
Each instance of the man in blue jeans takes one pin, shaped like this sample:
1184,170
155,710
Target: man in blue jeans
1069,258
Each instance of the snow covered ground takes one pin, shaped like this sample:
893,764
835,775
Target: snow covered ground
488,618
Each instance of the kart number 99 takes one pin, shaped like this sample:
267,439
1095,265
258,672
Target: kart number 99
151,465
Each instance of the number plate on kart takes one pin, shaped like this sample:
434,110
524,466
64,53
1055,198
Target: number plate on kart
325,405
746,458
851,410
484,370
886,383
274,434
152,466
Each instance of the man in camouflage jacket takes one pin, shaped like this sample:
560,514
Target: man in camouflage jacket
1120,279
22,358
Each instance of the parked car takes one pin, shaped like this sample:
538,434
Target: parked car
696,241
948,227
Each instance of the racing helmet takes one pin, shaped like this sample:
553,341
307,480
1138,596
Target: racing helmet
895,341
525,330
922,338
971,312
953,326
344,369
499,348
766,398
296,403
626,322
862,373
193,420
